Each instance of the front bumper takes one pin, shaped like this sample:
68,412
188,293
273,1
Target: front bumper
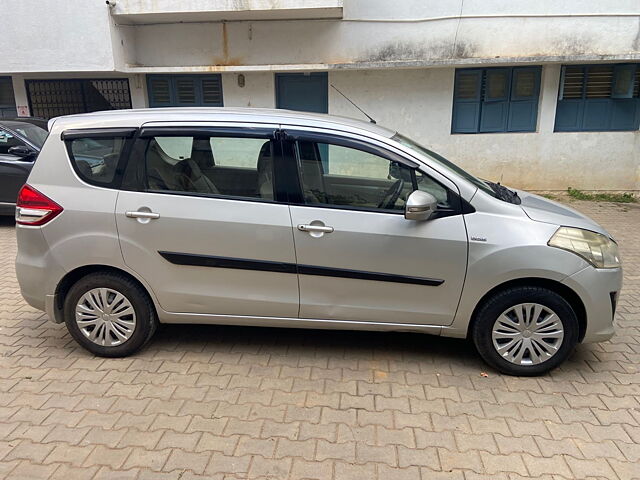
595,286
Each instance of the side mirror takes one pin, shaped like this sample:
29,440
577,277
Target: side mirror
420,206
21,151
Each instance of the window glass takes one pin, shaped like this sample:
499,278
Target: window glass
525,83
355,178
239,167
496,84
96,159
33,133
229,152
8,140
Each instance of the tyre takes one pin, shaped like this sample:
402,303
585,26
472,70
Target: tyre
525,331
109,314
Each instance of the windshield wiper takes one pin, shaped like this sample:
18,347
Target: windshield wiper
504,193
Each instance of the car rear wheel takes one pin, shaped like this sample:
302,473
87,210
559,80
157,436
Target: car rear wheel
525,330
109,314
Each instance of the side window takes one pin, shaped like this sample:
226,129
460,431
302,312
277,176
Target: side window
344,176
96,159
210,165
8,140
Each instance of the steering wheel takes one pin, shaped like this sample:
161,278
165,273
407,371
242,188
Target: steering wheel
391,195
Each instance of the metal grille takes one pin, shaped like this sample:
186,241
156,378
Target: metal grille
212,91
7,101
51,98
599,82
573,81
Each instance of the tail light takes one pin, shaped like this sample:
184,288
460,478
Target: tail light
35,208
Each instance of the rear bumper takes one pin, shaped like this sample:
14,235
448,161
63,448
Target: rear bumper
595,287
36,270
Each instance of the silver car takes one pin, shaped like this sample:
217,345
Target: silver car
285,219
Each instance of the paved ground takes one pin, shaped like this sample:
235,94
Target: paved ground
222,402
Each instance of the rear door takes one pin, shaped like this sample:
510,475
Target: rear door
358,258
199,219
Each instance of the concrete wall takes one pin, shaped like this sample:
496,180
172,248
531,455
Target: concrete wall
83,35
418,103
52,36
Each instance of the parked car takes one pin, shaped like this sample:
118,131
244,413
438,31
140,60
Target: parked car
20,142
287,219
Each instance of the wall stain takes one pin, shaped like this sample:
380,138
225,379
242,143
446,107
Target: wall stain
225,60
394,52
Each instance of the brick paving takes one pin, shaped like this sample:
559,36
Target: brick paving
236,403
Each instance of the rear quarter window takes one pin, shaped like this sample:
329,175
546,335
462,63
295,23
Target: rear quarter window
96,159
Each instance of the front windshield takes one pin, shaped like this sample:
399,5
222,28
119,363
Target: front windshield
33,133
481,184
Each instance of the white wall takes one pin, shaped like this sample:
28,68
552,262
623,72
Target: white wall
418,103
51,36
83,35
258,92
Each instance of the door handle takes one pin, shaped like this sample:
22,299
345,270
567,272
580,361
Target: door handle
315,228
139,214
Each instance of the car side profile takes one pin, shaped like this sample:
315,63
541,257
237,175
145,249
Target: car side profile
287,219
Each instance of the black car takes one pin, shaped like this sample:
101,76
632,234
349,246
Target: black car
20,142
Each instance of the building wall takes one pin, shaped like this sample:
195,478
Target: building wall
418,103
81,35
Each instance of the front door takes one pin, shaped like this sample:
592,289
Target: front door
358,258
307,92
203,226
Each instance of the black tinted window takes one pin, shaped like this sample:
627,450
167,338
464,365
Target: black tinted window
227,166
96,159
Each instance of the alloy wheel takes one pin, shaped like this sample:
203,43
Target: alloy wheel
527,334
105,316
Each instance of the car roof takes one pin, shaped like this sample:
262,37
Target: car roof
138,117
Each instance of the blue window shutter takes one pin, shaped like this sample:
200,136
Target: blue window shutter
623,81
466,101
596,114
493,117
184,90
160,91
495,108
522,116
465,117
569,115
525,91
624,114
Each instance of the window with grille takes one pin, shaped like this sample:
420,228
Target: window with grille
7,100
52,98
185,90
491,100
598,98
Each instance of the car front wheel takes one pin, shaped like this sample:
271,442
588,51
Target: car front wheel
525,330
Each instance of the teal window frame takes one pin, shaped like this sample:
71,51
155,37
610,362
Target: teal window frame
618,112
171,84
482,113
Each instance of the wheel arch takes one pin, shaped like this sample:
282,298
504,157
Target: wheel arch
71,277
564,291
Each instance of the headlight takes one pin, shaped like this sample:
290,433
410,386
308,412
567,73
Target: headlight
599,250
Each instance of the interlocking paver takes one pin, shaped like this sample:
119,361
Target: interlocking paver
237,403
